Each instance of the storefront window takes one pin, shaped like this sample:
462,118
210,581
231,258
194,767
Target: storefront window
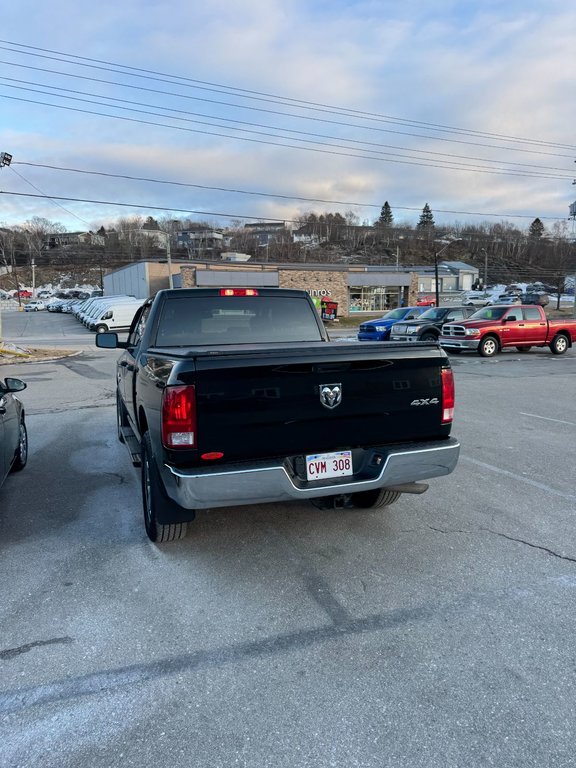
374,298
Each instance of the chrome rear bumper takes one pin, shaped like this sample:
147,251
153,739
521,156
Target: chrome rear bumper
274,481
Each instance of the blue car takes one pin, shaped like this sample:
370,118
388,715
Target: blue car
379,330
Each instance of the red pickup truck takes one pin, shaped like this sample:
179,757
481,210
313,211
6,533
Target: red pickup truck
492,329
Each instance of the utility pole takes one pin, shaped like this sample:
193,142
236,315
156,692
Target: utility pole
6,159
169,260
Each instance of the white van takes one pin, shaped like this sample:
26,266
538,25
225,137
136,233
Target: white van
115,317
98,304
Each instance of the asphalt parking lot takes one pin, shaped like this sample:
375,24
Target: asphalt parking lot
437,633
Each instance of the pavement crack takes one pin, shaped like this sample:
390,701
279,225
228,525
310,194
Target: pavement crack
447,530
531,545
11,653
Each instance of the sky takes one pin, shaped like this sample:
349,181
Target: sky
226,112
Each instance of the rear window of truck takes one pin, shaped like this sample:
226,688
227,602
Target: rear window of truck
204,321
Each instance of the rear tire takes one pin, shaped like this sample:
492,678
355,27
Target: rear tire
559,344
154,497
378,498
381,497
22,450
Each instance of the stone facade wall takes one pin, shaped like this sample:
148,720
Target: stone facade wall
318,283
188,276
413,290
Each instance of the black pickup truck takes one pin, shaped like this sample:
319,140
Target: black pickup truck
231,396
428,326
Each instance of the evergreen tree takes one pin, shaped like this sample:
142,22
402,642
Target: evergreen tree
536,230
150,223
426,221
386,219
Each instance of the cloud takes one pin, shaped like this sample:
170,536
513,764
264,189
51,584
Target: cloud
463,105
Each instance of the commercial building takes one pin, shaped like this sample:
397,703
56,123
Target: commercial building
355,288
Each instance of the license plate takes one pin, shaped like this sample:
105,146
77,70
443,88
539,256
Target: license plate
323,465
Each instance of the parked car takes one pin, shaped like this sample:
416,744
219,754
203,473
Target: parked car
34,306
70,305
476,299
55,305
379,329
513,288
535,297
22,294
13,435
505,298
429,300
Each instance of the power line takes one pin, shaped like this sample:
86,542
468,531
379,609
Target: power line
146,207
257,194
179,112
48,197
255,218
141,73
374,155
199,186
283,114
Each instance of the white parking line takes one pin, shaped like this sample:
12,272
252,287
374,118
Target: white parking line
520,478
547,418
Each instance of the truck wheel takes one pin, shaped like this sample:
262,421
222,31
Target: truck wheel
121,416
488,346
380,497
429,337
22,451
101,328
559,344
154,497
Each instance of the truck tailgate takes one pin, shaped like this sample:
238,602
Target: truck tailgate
257,401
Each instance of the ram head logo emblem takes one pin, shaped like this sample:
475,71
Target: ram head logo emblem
330,395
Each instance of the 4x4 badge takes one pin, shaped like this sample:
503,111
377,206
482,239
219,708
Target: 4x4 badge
330,395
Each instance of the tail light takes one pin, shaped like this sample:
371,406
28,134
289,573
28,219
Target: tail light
447,395
179,417
238,292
